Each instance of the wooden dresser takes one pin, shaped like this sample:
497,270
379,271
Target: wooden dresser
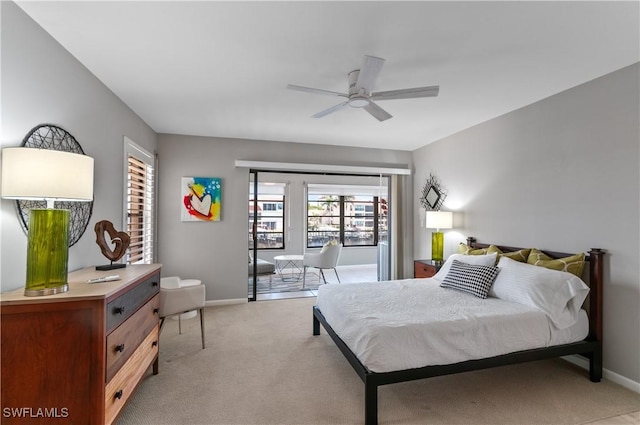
77,357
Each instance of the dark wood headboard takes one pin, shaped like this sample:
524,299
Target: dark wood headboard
595,279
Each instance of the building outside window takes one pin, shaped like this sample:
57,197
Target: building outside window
270,228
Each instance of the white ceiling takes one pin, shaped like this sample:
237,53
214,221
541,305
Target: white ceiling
212,68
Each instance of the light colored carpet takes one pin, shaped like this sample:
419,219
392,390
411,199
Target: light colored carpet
262,365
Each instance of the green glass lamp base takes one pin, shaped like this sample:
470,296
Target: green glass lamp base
437,246
47,252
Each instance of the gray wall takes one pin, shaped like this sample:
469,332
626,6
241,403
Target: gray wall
43,83
216,252
561,174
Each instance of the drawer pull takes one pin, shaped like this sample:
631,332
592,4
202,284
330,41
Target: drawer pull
154,343
118,310
154,284
120,347
118,394
156,310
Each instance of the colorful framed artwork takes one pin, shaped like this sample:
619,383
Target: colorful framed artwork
201,198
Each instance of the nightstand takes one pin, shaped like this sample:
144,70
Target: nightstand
426,268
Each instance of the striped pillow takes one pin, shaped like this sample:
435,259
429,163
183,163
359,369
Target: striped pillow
475,280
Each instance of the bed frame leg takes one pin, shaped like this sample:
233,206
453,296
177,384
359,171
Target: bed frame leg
595,365
370,403
316,325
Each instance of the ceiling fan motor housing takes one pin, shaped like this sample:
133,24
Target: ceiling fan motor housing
356,99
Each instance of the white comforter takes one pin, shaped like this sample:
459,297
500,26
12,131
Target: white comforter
407,324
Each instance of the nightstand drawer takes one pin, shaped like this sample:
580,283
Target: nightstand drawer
425,268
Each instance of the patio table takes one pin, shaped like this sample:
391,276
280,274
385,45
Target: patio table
289,267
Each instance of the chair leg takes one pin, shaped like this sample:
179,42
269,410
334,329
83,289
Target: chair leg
336,272
323,278
201,312
161,325
180,324
304,276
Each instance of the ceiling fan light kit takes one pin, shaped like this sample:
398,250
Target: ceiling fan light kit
361,83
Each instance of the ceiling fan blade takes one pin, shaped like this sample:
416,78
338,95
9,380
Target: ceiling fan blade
430,91
379,113
330,110
317,91
369,71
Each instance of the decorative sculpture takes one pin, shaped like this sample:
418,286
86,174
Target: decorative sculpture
120,240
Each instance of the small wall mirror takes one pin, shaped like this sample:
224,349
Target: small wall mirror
433,194
432,197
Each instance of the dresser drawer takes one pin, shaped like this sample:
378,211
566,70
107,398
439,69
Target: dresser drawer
120,388
125,305
122,342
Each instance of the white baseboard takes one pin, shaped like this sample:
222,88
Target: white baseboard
606,373
226,302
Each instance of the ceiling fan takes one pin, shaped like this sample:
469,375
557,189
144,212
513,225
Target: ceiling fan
361,83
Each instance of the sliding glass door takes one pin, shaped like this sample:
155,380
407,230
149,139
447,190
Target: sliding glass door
291,213
267,209
354,215
253,235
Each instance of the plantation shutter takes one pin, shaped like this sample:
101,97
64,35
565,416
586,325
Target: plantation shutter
140,199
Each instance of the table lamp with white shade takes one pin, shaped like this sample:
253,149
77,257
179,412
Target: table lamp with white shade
51,175
438,220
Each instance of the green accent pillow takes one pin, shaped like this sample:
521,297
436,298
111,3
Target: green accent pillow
521,255
573,264
465,249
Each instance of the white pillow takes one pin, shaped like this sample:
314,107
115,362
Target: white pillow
558,294
475,260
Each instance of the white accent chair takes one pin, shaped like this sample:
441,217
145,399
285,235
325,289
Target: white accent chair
327,258
179,296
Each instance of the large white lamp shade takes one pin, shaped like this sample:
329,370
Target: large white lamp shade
36,174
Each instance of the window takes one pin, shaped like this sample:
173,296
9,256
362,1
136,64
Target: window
353,220
139,219
269,206
359,220
323,219
270,230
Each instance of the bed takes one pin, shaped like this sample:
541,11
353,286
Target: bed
370,350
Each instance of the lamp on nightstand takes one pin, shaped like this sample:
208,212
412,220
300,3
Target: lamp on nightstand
438,220
50,175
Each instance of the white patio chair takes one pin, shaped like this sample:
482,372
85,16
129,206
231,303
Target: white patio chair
327,258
